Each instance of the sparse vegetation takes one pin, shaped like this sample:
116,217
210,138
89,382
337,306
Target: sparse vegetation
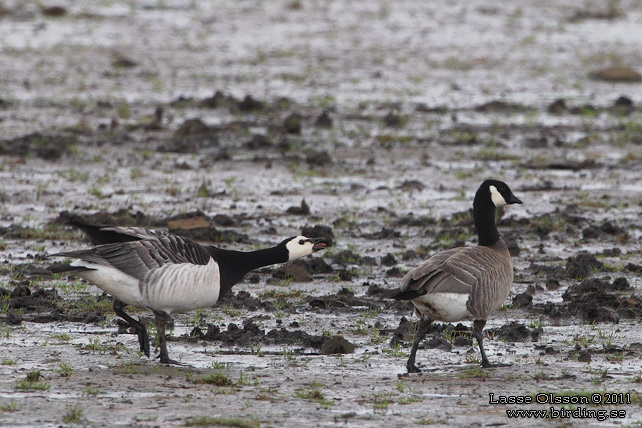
221,422
73,415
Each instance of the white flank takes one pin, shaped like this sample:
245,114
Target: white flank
296,250
112,281
497,197
446,307
181,287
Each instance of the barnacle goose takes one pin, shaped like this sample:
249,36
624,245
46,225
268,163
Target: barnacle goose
167,273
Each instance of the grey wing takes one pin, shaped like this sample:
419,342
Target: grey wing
137,232
493,283
137,258
443,272
482,272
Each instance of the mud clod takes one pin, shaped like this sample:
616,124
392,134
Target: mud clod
249,104
48,147
192,137
523,300
337,345
324,120
439,342
582,265
517,332
303,209
319,231
388,260
319,159
293,124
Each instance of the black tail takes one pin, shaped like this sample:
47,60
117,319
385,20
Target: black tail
65,267
98,236
398,294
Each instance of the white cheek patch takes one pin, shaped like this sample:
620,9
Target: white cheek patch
296,250
497,197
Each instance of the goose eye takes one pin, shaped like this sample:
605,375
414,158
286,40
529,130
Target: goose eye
301,242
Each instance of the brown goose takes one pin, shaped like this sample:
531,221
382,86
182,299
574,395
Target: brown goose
167,273
464,282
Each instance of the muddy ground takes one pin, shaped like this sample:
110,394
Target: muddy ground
370,123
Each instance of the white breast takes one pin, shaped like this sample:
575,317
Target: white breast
446,307
181,287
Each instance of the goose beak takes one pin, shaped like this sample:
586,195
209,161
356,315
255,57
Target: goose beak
318,244
512,199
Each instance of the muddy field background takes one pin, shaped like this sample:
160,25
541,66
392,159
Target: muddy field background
371,123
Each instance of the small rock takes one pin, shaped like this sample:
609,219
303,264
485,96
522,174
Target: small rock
579,354
224,220
122,61
53,11
21,290
439,342
292,124
393,120
523,300
409,185
462,341
297,273
320,158
582,265
623,105
12,318
394,272
216,100
189,223
259,141
94,317
552,283
324,120
388,260
303,209
337,345
617,74
319,231
601,314
620,283
250,104
557,107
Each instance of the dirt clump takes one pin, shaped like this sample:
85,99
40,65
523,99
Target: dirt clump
516,332
319,231
582,265
252,333
337,345
193,136
45,146
303,209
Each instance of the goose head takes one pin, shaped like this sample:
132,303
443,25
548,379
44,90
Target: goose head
499,192
301,246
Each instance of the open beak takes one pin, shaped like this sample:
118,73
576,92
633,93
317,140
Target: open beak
318,244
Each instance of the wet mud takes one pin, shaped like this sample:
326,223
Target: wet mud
370,125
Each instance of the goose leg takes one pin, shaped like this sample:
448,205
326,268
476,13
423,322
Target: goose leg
161,322
478,328
141,331
421,328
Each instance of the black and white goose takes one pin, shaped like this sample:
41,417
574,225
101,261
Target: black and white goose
167,273
464,282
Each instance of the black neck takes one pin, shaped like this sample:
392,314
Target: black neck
484,216
234,265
